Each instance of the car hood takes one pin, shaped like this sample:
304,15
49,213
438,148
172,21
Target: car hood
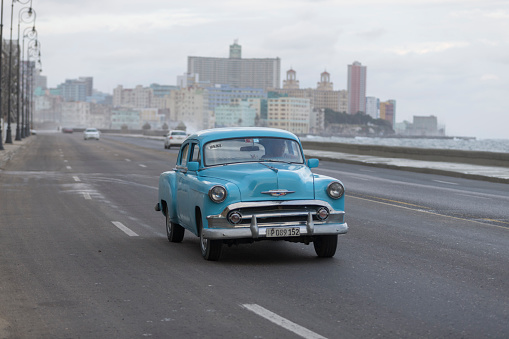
254,178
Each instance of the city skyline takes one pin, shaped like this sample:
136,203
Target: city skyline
443,58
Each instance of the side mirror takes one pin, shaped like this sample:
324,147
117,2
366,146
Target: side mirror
312,163
193,166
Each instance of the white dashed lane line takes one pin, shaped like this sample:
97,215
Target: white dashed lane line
124,229
280,321
76,178
141,165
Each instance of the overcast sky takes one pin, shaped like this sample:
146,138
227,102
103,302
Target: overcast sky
448,58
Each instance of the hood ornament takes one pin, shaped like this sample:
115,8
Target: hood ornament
278,192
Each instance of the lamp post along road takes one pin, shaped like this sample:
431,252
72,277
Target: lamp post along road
1,52
31,34
30,17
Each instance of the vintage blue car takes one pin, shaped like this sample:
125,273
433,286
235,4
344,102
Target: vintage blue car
240,185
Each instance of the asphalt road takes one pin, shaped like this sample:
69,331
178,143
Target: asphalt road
84,255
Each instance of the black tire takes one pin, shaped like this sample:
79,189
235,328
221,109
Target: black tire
325,245
210,249
174,232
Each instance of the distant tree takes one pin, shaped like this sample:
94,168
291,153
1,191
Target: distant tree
165,126
124,127
181,126
147,126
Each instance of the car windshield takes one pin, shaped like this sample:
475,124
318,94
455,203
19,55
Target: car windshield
261,149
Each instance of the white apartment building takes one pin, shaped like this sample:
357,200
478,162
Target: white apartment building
75,114
190,106
138,97
373,107
237,114
291,114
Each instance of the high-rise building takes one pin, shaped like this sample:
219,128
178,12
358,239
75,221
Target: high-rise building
388,111
373,107
291,114
235,71
356,88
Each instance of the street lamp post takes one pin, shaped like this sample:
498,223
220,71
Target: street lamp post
31,34
30,13
1,52
8,139
33,51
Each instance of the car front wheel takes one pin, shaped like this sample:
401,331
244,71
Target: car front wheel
210,249
175,232
325,245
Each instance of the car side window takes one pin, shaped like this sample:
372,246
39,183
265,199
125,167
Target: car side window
195,156
184,152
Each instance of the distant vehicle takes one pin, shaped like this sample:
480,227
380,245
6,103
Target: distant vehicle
67,130
174,138
241,185
91,133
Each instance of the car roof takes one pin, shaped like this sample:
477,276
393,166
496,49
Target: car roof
207,135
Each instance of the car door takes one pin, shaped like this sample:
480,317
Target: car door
187,182
182,185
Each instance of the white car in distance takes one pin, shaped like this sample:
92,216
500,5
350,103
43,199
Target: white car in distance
91,133
174,138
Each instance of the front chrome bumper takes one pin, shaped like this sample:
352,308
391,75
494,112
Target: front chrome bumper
264,215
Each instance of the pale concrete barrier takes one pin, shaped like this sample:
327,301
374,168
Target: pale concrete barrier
427,154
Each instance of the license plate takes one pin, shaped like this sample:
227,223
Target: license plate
277,232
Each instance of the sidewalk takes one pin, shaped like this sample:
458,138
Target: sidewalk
486,173
11,149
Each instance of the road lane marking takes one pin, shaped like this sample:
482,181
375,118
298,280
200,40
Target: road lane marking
285,323
86,195
124,229
433,213
68,167
76,178
445,182
141,165
128,160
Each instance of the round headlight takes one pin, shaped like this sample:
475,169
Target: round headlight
217,194
335,190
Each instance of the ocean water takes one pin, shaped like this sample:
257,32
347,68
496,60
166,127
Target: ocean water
484,145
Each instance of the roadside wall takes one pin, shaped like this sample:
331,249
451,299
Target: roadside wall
426,154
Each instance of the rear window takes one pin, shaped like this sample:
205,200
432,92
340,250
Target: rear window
178,133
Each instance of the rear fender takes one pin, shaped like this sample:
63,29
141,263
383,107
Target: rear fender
167,195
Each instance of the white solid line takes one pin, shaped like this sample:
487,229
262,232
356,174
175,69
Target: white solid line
446,182
76,178
124,229
87,196
285,323
141,165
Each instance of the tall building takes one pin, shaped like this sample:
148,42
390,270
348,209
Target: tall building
373,107
291,114
324,96
356,88
235,71
388,111
76,90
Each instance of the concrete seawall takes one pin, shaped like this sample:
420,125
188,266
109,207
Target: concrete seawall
426,154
